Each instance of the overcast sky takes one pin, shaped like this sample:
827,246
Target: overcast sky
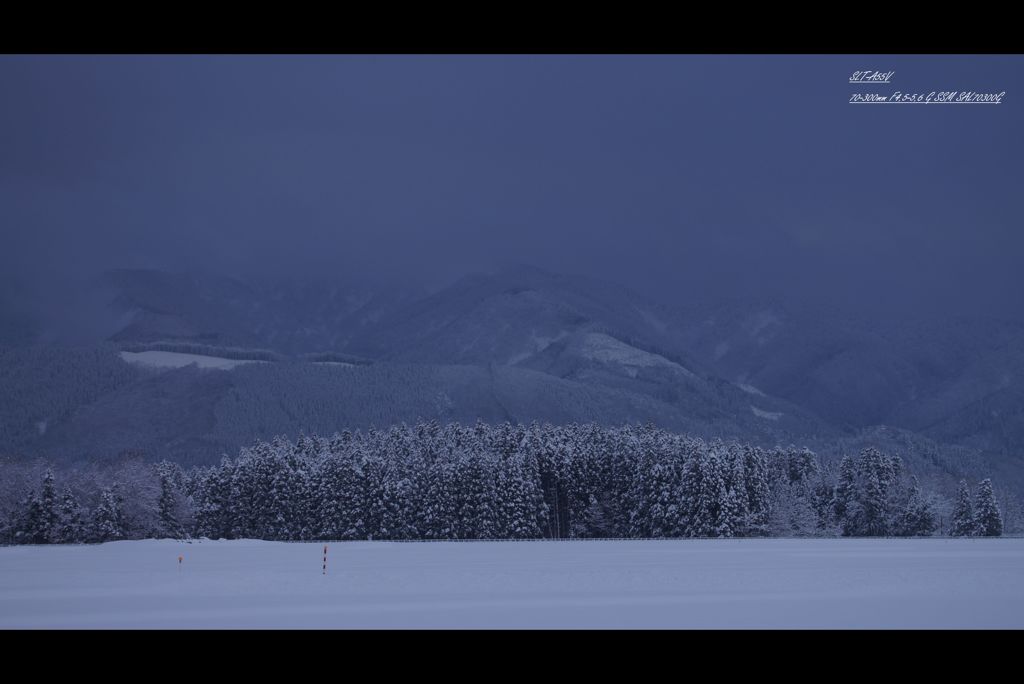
681,176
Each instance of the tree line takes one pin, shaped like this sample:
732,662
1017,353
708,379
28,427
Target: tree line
980,519
506,481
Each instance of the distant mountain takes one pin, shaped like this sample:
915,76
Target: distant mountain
194,416
523,344
509,316
844,371
599,359
288,315
994,423
912,373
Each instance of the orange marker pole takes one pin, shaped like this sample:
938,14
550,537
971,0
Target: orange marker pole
180,558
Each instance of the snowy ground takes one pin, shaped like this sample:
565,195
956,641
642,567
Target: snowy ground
166,359
924,583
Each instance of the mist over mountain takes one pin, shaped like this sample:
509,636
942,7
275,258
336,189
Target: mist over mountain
199,251
290,315
201,365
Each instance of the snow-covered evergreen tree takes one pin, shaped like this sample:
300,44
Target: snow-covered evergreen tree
214,515
338,494
711,513
479,485
846,491
657,511
871,496
107,519
71,524
29,528
517,499
167,505
759,495
918,518
963,513
39,518
436,517
738,504
792,513
430,481
49,515
872,506
988,522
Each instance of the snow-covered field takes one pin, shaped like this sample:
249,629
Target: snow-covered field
925,583
166,359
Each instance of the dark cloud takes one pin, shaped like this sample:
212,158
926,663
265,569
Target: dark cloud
681,176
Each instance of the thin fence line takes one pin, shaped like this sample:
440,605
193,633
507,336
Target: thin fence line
607,539
1015,535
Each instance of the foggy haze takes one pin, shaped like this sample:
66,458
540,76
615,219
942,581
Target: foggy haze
363,297
683,177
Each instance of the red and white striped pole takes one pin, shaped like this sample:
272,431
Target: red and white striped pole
325,559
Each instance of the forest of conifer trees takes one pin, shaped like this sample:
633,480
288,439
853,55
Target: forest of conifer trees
456,482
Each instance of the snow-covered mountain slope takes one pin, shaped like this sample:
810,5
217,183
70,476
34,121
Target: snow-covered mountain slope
193,415
847,371
508,316
289,316
566,347
168,359
600,359
841,371
912,373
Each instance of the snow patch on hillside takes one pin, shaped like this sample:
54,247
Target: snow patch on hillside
763,325
536,343
652,320
750,389
166,359
767,415
607,349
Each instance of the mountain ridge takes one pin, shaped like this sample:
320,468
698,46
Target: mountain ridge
756,366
